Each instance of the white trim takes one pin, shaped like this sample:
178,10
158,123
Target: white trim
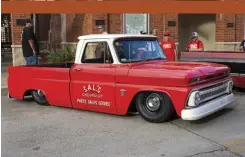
148,23
16,46
123,23
207,108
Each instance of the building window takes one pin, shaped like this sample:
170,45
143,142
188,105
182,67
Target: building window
135,23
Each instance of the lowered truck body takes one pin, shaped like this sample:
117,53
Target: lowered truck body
110,76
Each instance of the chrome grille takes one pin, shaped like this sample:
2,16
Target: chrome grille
213,91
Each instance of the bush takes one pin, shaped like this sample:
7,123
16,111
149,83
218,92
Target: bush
64,55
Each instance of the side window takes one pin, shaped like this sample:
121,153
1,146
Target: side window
97,52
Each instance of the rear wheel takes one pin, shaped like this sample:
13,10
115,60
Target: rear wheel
154,107
40,98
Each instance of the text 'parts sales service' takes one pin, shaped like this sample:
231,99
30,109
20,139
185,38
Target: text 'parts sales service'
90,93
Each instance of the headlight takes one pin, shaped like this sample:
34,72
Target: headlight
194,99
197,98
229,87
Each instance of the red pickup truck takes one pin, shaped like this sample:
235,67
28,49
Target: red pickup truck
115,74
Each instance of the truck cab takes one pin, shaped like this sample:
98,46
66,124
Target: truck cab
117,73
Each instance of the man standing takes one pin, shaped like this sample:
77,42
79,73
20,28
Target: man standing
169,47
30,45
242,46
102,30
195,44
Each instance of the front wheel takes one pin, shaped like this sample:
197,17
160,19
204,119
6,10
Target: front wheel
154,107
40,98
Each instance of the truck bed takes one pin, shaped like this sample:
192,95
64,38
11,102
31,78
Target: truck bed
53,65
42,77
234,60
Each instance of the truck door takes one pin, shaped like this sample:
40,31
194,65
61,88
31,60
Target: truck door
93,79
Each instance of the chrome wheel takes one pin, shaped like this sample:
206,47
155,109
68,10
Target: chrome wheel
40,97
154,106
41,94
153,102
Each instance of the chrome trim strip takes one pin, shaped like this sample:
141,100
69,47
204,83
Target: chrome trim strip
211,97
212,84
234,74
237,74
223,85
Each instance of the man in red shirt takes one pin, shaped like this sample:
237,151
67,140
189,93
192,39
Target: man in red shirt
195,44
168,47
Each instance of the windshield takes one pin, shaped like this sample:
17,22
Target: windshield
138,49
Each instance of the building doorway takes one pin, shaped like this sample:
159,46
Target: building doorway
203,24
135,23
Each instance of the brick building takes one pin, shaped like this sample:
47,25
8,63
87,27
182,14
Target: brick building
217,31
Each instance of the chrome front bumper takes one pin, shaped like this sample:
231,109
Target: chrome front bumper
207,108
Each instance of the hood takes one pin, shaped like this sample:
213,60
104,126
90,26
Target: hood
178,73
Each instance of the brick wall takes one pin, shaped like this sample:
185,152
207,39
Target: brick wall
173,30
157,22
160,22
232,34
16,30
82,24
115,23
74,26
239,27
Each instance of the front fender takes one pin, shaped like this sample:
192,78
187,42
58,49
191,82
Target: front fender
177,95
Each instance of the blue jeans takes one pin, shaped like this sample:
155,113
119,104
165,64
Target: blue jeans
32,60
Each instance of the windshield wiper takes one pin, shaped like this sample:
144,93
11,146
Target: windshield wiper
150,59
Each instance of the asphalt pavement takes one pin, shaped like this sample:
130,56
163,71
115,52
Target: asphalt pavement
30,130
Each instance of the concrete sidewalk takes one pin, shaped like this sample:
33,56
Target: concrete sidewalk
4,70
4,78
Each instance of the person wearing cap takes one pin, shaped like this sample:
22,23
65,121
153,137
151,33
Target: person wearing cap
168,47
29,43
242,46
102,30
195,44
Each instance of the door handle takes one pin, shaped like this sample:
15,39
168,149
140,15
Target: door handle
78,69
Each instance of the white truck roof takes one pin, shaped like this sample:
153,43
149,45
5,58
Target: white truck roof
104,36
111,36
